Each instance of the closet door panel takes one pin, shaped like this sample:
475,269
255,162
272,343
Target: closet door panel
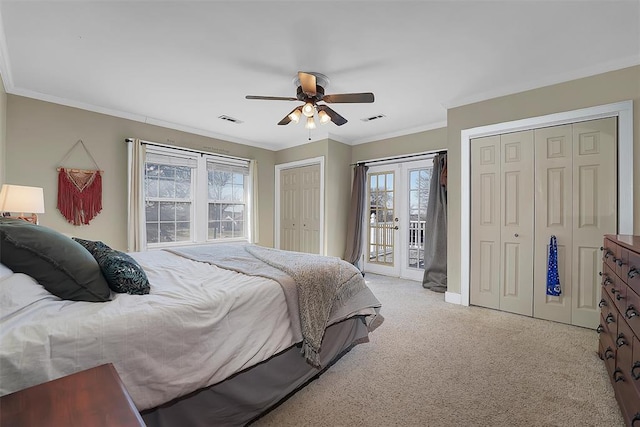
516,231
289,210
553,216
485,229
594,211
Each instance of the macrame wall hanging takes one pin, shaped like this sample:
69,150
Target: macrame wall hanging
79,190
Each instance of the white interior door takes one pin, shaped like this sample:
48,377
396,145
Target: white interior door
381,249
397,197
416,182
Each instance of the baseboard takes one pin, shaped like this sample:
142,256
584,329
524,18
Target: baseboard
453,298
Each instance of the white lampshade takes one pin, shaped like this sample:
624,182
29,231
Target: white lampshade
308,109
311,124
324,117
19,198
295,116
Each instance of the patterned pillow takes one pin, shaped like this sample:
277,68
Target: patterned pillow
122,272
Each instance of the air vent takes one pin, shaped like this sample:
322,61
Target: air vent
230,119
368,119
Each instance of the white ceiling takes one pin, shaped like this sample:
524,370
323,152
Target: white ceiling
182,64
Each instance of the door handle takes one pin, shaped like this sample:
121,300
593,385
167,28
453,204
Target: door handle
395,228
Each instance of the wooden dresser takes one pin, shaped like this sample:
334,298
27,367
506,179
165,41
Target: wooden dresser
95,397
619,329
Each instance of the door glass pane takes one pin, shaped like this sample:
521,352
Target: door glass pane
418,187
381,218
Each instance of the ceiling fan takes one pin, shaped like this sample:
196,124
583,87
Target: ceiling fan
310,90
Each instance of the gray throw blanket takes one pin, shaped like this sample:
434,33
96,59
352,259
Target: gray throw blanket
320,282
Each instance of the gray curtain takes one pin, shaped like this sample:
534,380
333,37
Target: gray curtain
435,245
355,222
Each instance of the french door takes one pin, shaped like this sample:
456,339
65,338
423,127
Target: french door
397,196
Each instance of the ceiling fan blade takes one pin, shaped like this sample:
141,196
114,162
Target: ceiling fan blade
348,97
286,119
335,117
308,83
272,98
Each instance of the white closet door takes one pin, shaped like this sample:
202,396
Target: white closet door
484,289
554,216
290,209
300,209
576,200
310,209
516,218
594,212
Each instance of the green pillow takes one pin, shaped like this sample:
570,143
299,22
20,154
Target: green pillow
123,273
62,266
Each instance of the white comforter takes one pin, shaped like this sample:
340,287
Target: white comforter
199,325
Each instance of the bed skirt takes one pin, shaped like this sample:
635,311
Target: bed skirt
246,396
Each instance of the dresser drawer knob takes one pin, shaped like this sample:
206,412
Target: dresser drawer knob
619,296
607,254
620,263
610,318
607,281
635,371
608,353
620,341
600,329
633,272
631,312
618,375
636,417
602,303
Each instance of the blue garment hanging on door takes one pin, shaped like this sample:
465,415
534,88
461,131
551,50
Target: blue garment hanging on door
553,279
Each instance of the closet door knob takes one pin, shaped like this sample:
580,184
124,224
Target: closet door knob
515,235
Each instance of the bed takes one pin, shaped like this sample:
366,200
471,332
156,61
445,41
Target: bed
223,334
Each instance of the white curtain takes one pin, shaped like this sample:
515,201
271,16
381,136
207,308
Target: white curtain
255,228
136,235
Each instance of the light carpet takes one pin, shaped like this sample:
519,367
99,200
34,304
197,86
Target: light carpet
432,363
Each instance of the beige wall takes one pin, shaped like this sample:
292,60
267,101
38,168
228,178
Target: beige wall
602,89
39,135
431,140
3,131
337,181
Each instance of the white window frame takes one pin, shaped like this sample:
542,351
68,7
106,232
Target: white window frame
200,196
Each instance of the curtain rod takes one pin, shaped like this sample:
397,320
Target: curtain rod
191,150
408,156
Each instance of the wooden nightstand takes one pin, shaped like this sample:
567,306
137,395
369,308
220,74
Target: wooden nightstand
95,397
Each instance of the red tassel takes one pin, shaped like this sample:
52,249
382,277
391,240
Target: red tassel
80,202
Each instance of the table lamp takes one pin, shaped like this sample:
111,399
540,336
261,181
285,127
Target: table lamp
23,199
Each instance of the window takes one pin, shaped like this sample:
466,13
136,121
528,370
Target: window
227,200
193,197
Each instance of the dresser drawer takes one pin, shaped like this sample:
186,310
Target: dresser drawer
607,352
632,311
608,317
610,254
633,272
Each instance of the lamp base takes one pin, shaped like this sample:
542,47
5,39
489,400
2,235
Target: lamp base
32,219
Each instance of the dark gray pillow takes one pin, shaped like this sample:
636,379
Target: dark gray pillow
122,272
62,266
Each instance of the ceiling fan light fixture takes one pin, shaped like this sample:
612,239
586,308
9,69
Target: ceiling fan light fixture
311,124
295,115
308,109
324,117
